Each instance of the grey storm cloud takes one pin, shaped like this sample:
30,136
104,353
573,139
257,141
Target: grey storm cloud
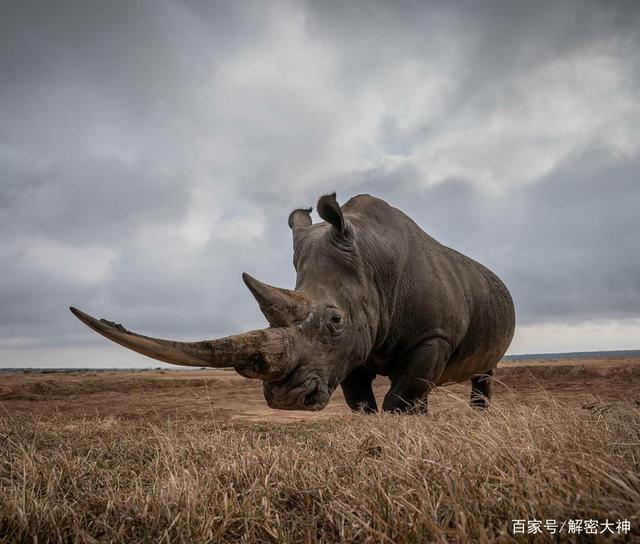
151,151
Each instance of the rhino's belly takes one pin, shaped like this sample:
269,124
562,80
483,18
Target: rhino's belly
479,352
464,369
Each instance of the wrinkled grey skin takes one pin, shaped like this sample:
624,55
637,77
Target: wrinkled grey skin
374,295
408,308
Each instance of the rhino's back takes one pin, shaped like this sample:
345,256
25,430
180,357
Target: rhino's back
440,289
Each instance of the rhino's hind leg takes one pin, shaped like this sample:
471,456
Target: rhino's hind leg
416,376
481,388
358,391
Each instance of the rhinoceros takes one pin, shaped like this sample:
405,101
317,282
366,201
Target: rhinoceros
374,295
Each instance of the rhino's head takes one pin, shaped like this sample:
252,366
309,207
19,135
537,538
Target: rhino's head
317,335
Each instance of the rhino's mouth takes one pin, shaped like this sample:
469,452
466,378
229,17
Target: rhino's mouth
309,393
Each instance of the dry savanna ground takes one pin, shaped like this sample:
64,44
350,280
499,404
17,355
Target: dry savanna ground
189,456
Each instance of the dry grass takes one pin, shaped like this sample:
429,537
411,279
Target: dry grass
456,475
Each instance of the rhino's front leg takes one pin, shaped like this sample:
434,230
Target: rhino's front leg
416,376
358,391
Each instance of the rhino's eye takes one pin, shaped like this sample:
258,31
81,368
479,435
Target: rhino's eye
333,320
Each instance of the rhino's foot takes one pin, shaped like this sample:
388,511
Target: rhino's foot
479,403
358,391
398,405
481,388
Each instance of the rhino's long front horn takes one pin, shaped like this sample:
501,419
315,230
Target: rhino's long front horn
264,354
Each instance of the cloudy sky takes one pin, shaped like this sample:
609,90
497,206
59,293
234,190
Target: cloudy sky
151,151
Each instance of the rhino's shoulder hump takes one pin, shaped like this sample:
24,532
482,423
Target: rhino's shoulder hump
366,205
363,201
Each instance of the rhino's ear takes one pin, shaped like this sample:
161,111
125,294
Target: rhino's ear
329,210
300,219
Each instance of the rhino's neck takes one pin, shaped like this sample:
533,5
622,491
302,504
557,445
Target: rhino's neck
383,268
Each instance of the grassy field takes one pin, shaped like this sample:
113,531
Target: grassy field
196,456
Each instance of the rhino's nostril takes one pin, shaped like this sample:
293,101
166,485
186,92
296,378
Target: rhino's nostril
284,379
312,397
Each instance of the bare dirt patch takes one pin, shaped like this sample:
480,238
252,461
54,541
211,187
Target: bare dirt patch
223,395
